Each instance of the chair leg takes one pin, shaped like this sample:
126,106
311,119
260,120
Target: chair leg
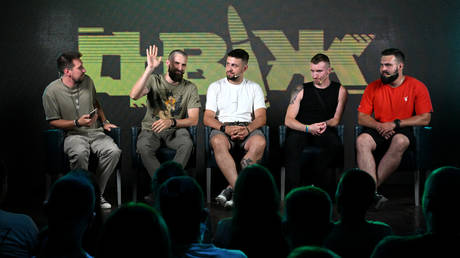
208,185
135,179
118,187
417,188
283,182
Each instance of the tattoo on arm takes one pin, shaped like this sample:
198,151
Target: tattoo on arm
246,162
294,94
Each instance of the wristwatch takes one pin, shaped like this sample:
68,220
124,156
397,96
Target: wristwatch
106,122
222,128
174,122
397,123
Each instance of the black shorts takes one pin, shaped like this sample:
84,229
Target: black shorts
383,144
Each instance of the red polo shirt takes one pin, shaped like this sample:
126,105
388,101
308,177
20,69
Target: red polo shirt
388,103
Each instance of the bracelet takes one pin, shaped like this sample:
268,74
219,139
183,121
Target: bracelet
306,128
174,122
248,129
76,123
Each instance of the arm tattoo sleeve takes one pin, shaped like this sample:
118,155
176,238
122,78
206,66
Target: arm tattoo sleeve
294,94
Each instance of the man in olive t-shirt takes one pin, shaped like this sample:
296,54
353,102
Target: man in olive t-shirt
68,102
173,104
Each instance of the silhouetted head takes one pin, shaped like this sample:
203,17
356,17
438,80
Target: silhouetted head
167,170
70,204
312,252
355,193
440,200
134,230
180,201
255,192
308,212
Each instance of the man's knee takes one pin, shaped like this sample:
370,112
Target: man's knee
256,143
365,142
186,144
400,142
219,142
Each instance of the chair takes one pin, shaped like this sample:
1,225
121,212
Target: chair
211,161
57,161
307,154
163,154
415,160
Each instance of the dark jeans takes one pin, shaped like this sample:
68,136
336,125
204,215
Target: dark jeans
317,173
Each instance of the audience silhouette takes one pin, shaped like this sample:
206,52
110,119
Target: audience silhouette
180,201
70,209
312,252
255,227
134,230
441,209
353,235
18,232
308,212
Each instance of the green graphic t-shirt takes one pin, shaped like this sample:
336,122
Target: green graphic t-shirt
165,101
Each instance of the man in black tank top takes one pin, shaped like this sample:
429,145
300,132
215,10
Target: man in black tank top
314,111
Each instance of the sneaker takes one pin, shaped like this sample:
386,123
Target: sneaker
224,196
105,204
229,204
379,201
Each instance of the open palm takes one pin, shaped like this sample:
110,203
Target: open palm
153,61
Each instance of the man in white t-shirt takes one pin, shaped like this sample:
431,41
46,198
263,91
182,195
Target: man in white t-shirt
231,105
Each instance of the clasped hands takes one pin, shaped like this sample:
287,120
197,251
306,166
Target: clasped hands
386,129
237,132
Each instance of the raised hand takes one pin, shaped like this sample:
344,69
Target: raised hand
152,60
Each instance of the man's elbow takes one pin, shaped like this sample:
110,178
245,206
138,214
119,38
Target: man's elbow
194,121
426,119
133,96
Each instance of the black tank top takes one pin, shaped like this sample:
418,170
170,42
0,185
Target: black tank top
311,110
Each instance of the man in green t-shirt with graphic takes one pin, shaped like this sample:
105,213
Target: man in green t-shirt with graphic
70,104
173,104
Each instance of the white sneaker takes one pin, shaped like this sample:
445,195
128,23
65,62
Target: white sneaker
224,196
229,204
105,204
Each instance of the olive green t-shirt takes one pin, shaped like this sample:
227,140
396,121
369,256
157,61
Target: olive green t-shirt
165,101
62,102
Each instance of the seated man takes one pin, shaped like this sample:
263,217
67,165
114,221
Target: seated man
440,210
312,116
231,103
398,102
70,104
172,105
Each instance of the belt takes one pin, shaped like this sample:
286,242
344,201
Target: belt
237,123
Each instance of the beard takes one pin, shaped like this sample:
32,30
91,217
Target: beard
389,79
175,74
233,77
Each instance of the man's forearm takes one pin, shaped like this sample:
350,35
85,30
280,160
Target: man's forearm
63,124
256,123
139,87
367,121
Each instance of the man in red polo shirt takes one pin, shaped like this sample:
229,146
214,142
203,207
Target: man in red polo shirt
398,102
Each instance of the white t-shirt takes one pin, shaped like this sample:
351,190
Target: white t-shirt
234,103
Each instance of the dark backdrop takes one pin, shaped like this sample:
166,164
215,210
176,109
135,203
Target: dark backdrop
351,32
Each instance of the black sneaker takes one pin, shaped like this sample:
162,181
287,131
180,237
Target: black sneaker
224,196
229,204
379,201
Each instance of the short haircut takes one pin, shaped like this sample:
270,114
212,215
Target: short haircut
174,53
65,60
395,52
355,192
166,170
308,203
320,58
239,53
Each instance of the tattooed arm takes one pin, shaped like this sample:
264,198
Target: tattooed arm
293,110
